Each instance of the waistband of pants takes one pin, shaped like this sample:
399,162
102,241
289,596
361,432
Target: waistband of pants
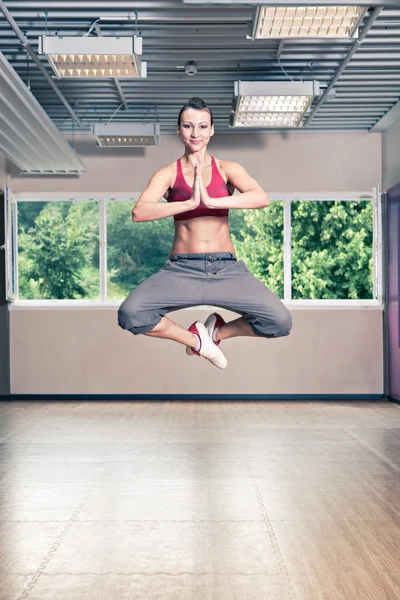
212,256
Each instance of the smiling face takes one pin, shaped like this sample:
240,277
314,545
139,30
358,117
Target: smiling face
195,129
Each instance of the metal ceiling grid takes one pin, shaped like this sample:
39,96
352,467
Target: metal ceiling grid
366,77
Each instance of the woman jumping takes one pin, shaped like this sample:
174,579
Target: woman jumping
202,267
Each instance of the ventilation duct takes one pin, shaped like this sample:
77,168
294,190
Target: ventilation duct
28,137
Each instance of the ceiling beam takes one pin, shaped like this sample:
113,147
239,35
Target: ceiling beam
79,4
235,3
91,12
280,48
24,41
344,63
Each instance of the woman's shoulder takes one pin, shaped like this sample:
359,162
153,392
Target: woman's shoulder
170,173
166,172
228,168
171,169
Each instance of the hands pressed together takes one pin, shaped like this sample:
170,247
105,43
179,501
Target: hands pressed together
199,194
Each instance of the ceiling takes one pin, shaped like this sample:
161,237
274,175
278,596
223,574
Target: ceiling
214,37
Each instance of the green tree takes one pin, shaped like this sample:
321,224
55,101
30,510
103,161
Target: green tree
55,252
135,250
28,211
331,248
259,242
59,248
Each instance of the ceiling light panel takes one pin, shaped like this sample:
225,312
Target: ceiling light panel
268,119
272,104
28,137
129,135
94,57
306,21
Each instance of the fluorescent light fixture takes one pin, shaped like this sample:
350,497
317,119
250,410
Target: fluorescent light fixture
128,135
28,137
94,57
306,21
272,103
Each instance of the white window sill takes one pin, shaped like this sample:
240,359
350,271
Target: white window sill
114,304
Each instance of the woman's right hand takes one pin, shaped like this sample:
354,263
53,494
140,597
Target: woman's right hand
195,198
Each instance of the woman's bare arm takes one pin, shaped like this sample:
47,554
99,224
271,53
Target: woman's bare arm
251,193
149,206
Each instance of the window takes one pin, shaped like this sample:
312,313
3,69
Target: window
258,239
310,249
331,250
58,250
134,250
303,249
10,245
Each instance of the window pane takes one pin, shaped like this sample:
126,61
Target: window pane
134,250
257,236
332,255
58,250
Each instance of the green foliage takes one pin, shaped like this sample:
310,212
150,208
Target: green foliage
331,248
135,250
28,211
54,253
259,242
59,248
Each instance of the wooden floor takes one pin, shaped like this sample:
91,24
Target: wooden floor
199,501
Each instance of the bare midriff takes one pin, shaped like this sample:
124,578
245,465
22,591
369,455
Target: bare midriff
202,236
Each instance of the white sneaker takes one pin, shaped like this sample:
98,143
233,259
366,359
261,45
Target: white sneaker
214,321
208,349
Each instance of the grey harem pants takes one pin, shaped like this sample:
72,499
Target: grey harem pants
216,279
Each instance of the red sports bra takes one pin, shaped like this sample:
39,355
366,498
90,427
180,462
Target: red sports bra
181,191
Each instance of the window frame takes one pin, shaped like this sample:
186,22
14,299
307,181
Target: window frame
10,245
375,196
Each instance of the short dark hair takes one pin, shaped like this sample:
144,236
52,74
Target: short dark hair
197,104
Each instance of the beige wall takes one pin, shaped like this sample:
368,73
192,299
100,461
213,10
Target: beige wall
391,156
329,351
291,162
4,335
84,351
